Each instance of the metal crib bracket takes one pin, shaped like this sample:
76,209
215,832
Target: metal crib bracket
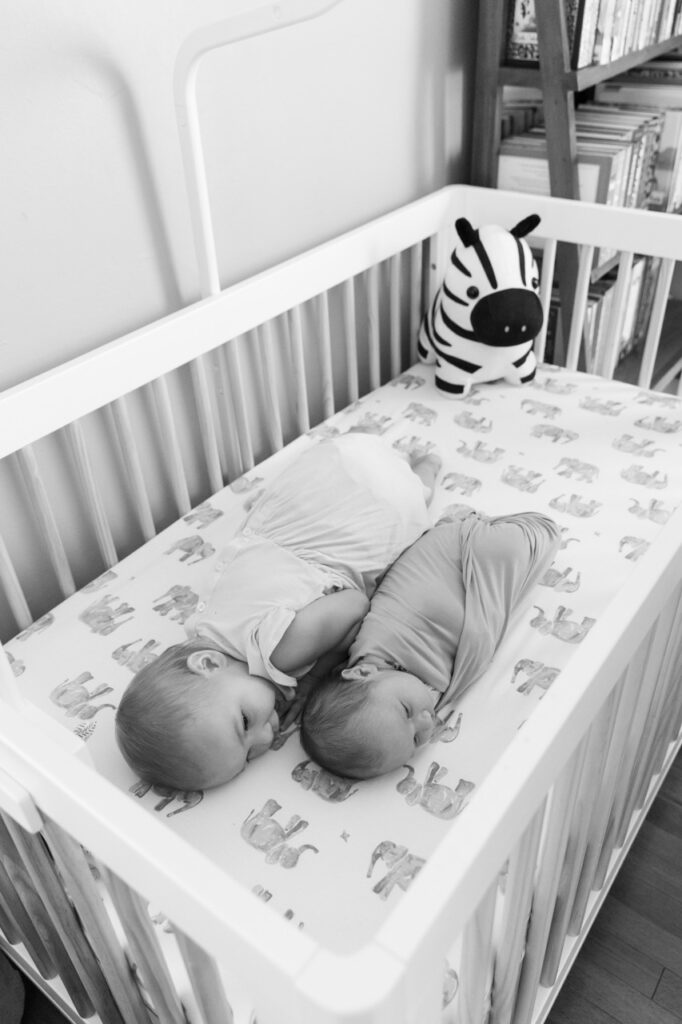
18,804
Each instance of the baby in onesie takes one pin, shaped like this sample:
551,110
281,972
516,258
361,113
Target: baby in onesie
433,626
287,595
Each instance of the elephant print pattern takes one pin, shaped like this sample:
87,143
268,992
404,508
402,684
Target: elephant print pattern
602,459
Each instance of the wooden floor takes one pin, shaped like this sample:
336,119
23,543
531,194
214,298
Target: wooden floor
629,970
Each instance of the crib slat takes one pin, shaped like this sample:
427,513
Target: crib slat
623,808
664,639
475,970
640,685
649,765
676,711
516,911
350,334
562,803
669,376
231,363
12,589
22,923
134,916
415,314
597,744
395,319
171,448
264,345
43,509
613,772
298,364
76,965
325,342
607,359
206,984
123,432
72,865
372,278
667,731
579,306
653,336
546,279
8,927
230,449
205,420
99,518
670,717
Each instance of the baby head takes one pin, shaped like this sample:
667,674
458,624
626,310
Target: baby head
366,721
193,717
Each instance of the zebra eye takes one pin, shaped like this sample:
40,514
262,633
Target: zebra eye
472,292
535,282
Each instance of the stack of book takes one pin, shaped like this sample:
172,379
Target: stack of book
617,150
598,315
650,88
599,31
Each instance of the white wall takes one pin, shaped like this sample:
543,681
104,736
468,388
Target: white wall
309,131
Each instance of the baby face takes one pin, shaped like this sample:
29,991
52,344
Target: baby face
236,722
398,717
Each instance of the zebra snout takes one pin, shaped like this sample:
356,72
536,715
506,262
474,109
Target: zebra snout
507,317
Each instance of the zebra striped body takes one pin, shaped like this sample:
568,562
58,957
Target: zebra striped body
486,314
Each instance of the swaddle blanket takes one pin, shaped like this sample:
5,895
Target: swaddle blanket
444,605
600,458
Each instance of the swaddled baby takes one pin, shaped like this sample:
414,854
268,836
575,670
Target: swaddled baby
432,629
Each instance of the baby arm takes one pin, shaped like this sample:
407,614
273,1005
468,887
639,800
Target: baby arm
348,612
323,627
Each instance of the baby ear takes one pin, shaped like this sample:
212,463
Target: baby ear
360,671
203,663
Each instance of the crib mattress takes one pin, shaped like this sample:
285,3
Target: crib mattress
602,458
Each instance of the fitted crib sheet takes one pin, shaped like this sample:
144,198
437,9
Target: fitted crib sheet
602,458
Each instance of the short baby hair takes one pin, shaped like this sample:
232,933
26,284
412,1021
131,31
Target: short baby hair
155,715
328,728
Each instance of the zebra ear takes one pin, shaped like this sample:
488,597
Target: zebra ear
525,226
466,232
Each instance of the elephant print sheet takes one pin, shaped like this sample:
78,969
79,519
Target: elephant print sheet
333,856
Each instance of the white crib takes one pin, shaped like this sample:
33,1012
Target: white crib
510,889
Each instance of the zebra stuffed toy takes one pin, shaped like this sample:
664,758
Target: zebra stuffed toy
487,312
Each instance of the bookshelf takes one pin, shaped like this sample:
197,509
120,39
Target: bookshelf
559,84
555,77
